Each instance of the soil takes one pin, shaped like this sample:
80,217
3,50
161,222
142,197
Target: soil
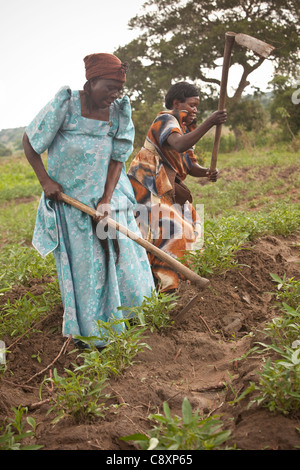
196,358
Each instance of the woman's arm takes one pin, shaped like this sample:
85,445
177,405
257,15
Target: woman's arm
51,188
199,172
183,142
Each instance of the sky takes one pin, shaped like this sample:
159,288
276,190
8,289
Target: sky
43,43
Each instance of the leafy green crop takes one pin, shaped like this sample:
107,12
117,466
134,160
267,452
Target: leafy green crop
278,388
123,342
154,311
288,290
79,395
13,433
19,264
189,432
17,179
224,236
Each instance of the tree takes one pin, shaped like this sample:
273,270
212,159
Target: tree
142,117
285,107
4,151
248,115
184,40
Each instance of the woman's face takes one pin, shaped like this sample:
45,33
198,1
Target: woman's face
190,105
105,91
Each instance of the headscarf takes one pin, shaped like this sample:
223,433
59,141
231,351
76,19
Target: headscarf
106,66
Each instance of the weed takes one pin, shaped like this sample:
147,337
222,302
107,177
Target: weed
13,433
123,342
191,432
37,357
284,330
279,381
279,384
20,314
17,222
154,312
78,395
19,264
288,290
17,179
224,236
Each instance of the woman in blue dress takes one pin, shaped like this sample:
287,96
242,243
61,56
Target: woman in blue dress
89,135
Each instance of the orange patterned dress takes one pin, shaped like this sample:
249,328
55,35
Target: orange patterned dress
165,214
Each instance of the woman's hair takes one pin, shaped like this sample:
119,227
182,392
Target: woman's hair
180,91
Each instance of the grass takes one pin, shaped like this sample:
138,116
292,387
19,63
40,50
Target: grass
17,179
17,222
266,181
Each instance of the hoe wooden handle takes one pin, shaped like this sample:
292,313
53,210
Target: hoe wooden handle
229,42
195,279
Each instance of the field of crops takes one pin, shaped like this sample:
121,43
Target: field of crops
224,376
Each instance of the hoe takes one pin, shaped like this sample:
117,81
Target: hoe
258,47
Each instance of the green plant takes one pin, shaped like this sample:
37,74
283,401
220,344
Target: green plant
279,383
78,395
93,362
288,290
278,388
17,220
284,330
123,342
154,312
19,264
189,432
37,356
224,236
20,314
17,179
13,433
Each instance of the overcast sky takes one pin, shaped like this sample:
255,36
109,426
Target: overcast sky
43,43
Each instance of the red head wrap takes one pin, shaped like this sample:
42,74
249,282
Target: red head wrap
106,66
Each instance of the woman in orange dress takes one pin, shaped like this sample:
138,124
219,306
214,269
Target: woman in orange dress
157,173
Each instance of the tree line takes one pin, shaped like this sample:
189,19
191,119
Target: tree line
184,40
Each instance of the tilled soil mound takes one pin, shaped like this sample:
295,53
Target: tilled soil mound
194,358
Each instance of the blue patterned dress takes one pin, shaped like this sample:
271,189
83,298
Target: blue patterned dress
79,152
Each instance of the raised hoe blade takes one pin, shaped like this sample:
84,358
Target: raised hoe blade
261,48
